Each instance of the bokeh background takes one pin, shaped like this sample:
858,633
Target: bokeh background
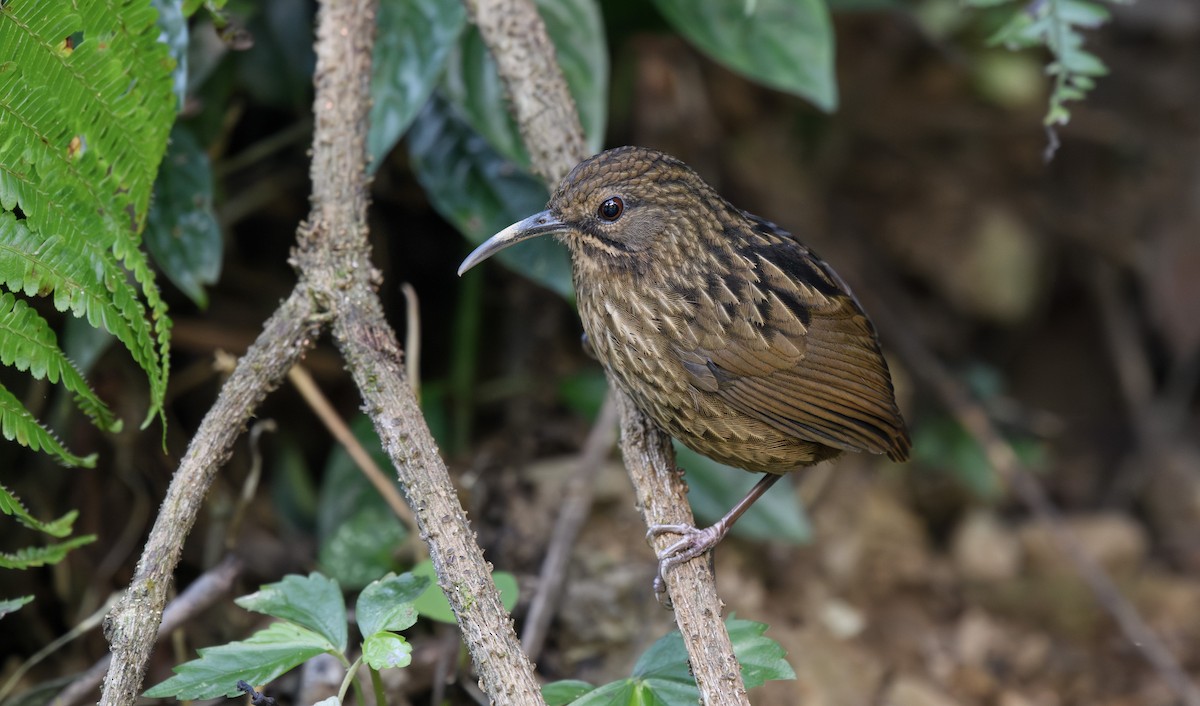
1065,295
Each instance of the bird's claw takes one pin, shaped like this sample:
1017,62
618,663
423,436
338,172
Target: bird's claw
692,543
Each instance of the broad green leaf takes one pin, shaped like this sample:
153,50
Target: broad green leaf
363,547
713,488
278,68
561,693
762,658
664,667
433,604
387,604
386,650
313,601
12,605
481,193
661,675
577,32
356,530
414,39
182,232
784,44
258,660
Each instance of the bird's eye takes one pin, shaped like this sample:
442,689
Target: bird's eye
611,209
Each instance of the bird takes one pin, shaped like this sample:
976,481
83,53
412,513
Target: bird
729,333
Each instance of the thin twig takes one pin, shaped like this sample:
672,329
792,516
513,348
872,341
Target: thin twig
206,590
573,512
412,337
334,254
308,389
132,626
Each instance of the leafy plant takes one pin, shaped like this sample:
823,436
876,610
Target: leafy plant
1056,25
784,44
661,675
86,104
312,621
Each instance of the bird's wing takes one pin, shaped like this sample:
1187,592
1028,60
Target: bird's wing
795,350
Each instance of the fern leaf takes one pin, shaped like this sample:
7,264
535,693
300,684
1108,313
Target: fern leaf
17,424
28,343
40,556
10,505
86,104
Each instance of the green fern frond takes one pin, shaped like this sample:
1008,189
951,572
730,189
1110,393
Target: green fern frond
10,505
86,104
17,424
28,343
40,556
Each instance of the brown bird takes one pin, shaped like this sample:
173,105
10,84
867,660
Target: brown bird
729,333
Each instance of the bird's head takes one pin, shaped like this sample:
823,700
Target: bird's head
618,207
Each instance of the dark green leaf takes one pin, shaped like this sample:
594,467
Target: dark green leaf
175,35
661,675
942,443
584,391
414,39
481,193
387,604
386,650
762,658
784,44
261,659
182,231
713,488
312,601
11,605
577,32
357,532
433,604
561,693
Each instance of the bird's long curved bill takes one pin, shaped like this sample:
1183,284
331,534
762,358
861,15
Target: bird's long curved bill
543,223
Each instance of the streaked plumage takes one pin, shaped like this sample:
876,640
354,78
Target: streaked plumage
725,330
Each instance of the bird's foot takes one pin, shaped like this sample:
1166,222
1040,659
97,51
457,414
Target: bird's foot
692,543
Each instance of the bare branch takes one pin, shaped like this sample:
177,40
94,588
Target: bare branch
550,127
133,625
337,281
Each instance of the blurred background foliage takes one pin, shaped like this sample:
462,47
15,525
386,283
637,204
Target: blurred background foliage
902,139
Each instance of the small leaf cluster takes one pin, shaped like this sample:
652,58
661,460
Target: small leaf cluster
661,675
312,620
1056,25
